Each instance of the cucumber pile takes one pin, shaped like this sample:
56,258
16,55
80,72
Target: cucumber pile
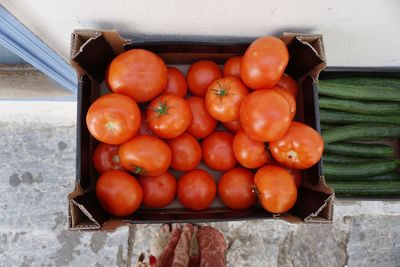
360,119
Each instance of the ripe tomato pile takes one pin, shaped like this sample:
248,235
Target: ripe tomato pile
157,119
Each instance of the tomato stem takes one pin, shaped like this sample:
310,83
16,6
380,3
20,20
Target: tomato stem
162,108
115,159
138,170
221,91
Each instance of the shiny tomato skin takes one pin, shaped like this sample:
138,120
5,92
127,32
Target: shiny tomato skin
223,98
200,75
145,155
186,152
248,152
158,191
236,188
289,98
289,84
176,84
296,174
218,152
113,119
168,116
105,158
265,115
300,148
202,123
276,189
232,67
138,73
118,193
196,190
264,62
232,126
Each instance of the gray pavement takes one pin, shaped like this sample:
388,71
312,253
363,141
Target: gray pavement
37,170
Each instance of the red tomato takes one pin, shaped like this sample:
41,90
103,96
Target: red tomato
200,75
138,73
113,119
196,190
264,62
289,84
296,174
277,191
158,191
176,84
186,152
232,126
105,158
145,155
223,98
202,123
289,98
144,126
218,152
235,188
232,66
250,153
118,193
265,115
168,116
300,148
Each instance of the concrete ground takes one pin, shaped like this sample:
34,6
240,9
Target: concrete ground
37,171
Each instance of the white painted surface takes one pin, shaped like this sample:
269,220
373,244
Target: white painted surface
357,33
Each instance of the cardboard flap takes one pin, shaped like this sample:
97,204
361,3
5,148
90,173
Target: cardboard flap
92,51
324,214
310,205
85,212
96,61
307,56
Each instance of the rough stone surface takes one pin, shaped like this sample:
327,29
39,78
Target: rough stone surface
374,241
37,171
316,245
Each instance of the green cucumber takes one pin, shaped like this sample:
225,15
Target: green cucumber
327,126
366,188
358,170
360,150
360,130
332,158
362,107
359,91
391,176
340,117
371,81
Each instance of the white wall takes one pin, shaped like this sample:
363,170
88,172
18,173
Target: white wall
356,32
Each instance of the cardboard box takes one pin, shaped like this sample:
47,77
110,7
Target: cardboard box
93,50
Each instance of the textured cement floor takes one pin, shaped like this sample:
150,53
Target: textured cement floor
37,170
